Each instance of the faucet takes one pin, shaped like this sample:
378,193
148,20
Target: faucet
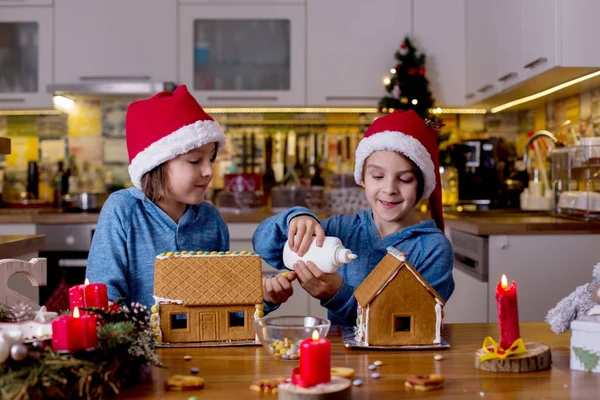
536,135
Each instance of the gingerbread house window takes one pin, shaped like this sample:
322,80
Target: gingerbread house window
179,321
402,323
237,318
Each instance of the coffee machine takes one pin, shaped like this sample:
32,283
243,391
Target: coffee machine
482,166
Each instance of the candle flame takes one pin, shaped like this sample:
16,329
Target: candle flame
315,335
504,282
86,282
76,312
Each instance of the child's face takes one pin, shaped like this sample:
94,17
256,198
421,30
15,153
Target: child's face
189,174
390,186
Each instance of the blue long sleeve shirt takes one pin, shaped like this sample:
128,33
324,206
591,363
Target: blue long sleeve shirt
132,231
426,247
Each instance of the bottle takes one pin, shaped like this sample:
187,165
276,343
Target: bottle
33,179
328,258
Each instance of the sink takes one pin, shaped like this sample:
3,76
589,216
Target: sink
499,213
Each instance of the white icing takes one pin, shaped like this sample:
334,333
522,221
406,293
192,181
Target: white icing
164,300
206,255
438,322
595,310
367,325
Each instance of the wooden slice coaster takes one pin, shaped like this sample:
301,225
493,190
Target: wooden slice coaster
537,358
337,389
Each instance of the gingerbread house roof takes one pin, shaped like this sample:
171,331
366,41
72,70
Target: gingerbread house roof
203,280
384,273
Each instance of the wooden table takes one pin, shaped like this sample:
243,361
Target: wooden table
228,371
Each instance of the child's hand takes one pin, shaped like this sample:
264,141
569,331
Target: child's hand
317,283
301,232
277,289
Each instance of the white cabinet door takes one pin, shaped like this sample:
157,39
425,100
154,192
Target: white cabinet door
115,40
539,39
474,13
469,302
25,57
351,46
439,30
579,23
243,55
508,15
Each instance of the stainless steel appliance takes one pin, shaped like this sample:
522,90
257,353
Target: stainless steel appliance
471,254
67,248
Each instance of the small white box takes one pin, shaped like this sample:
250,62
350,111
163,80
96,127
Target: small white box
585,344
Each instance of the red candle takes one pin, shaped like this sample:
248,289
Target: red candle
315,362
77,297
96,296
88,335
508,312
61,334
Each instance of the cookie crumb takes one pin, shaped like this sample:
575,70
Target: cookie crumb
187,358
378,363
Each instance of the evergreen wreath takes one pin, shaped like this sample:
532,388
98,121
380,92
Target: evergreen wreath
125,352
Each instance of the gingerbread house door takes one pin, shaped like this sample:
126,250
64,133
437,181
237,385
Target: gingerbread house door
208,325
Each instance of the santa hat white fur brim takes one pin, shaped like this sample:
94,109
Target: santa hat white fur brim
179,142
401,143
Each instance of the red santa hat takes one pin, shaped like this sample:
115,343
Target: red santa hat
164,126
406,133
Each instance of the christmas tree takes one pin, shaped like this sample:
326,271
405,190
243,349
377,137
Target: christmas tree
408,87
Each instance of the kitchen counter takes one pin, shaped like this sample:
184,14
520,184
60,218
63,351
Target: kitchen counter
482,223
12,246
513,224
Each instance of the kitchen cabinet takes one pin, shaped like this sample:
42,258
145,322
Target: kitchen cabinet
112,40
351,46
546,268
25,57
540,27
446,59
507,39
481,60
243,55
469,302
517,48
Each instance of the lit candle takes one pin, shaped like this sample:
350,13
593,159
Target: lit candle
77,297
508,312
60,334
96,296
315,362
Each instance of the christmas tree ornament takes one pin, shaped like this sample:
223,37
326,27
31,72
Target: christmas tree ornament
18,352
4,350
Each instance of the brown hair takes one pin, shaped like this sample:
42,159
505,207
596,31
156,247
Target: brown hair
418,176
154,183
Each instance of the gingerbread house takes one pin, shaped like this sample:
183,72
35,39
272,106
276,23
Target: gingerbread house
397,306
206,296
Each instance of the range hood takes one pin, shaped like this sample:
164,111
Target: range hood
111,88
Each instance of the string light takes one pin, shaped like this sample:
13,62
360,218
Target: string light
393,70
386,80
415,102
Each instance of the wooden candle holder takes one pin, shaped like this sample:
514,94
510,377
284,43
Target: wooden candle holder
337,389
537,358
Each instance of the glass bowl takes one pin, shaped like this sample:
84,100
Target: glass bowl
281,336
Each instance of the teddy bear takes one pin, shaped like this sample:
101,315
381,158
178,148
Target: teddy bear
585,300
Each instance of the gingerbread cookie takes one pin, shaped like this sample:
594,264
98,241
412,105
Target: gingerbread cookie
342,372
424,383
184,382
266,385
